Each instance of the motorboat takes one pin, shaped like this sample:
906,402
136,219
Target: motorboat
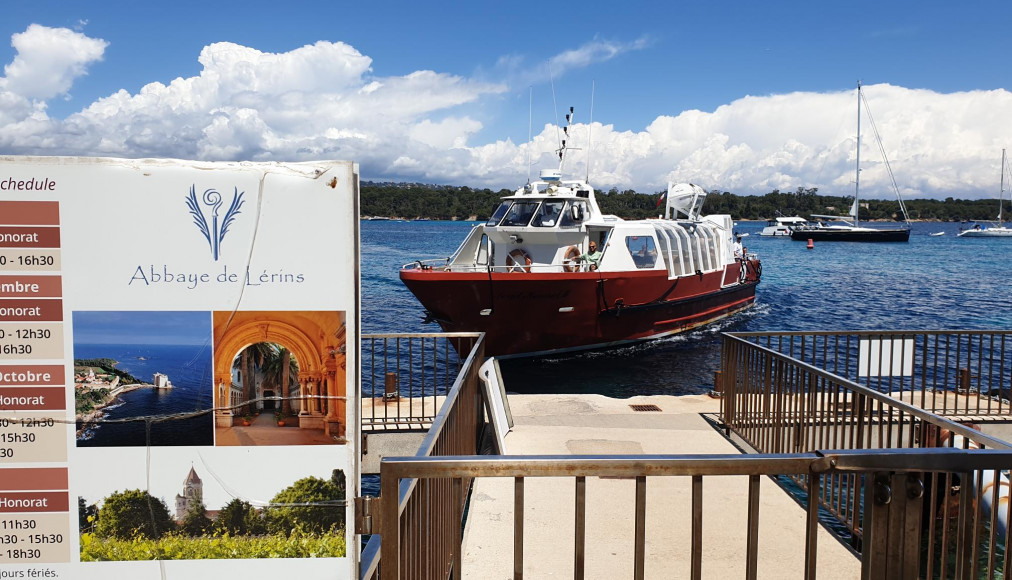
781,226
992,229
828,228
528,280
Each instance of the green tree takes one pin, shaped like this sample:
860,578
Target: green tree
195,522
133,513
87,515
239,518
311,504
338,479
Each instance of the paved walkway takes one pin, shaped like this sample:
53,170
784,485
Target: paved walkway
593,424
263,430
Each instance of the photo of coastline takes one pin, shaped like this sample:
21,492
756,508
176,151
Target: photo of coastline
143,378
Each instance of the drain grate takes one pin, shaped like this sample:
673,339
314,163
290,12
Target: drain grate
654,408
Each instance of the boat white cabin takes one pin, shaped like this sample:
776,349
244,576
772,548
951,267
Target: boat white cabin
782,225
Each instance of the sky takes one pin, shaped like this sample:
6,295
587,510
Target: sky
252,474
745,97
154,327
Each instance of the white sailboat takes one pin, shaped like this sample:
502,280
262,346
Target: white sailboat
839,228
995,229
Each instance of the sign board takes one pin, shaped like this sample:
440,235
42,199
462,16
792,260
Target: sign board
497,405
886,357
178,369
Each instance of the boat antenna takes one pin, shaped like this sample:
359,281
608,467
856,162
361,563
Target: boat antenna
530,123
590,129
555,105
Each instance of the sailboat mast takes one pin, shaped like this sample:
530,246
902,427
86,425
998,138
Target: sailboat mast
857,168
1001,192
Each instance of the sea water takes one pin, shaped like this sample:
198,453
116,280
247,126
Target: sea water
137,415
929,283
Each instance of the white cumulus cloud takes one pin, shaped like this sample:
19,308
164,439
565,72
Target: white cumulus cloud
323,101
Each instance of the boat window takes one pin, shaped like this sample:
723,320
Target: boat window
520,214
643,250
483,246
548,215
499,212
567,216
666,243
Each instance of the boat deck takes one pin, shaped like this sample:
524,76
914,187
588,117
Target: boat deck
594,424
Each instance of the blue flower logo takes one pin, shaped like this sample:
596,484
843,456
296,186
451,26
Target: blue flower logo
214,232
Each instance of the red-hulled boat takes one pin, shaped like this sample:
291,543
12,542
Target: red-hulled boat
525,277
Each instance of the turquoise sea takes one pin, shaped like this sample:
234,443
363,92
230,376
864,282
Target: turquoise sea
931,282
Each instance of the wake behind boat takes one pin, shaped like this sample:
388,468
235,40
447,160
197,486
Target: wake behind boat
848,228
549,273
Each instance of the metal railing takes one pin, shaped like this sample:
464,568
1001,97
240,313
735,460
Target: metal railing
780,404
915,494
962,373
894,504
428,510
405,377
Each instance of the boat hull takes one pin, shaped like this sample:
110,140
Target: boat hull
988,233
529,314
831,235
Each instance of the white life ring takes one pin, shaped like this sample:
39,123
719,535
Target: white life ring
569,261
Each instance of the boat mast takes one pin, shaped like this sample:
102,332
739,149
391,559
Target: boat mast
857,169
1001,192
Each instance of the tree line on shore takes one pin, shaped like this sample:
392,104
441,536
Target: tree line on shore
418,201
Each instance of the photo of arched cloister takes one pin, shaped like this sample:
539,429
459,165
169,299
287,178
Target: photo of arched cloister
280,377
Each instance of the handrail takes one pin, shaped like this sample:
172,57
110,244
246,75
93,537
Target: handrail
443,425
893,503
875,395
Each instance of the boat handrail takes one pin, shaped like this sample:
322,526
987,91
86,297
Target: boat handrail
429,264
441,265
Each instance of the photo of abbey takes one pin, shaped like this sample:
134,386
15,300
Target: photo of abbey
281,378
142,378
212,504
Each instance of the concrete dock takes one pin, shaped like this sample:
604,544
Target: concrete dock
594,424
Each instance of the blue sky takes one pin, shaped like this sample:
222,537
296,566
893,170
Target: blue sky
123,327
741,96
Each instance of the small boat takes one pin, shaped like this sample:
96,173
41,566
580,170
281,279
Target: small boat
936,234
995,229
847,228
531,280
781,226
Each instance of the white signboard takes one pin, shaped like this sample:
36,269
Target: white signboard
178,369
886,357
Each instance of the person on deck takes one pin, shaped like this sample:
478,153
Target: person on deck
592,257
738,250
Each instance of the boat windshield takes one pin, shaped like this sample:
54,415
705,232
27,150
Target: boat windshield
499,212
548,214
520,214
574,217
